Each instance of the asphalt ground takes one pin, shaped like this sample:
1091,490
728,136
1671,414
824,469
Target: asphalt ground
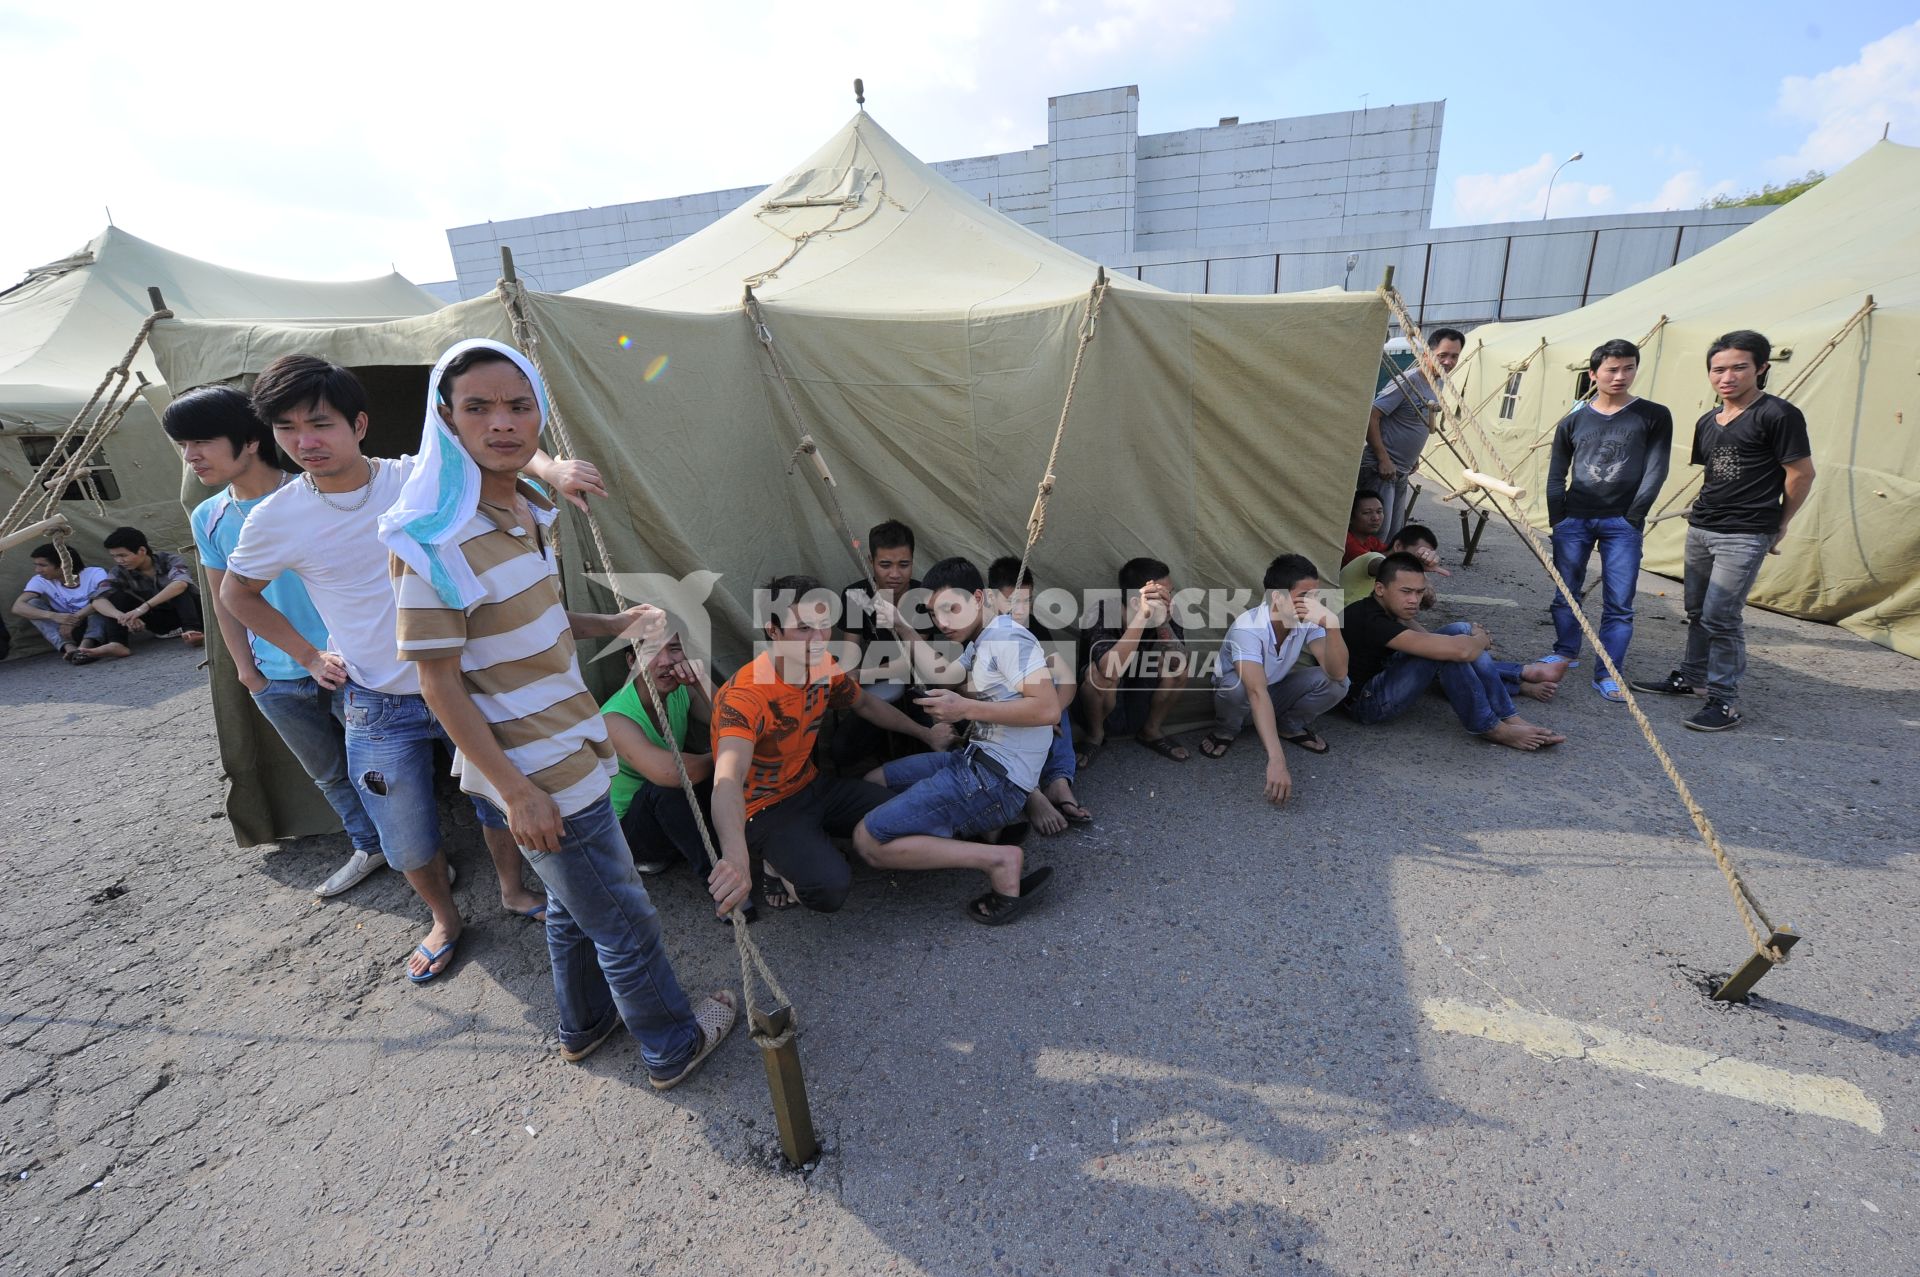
1442,1014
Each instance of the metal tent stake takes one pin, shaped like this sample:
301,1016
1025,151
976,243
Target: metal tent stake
780,1050
1741,982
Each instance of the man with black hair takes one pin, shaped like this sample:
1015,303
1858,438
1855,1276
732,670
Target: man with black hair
1053,805
229,448
1363,526
883,671
1137,663
64,615
324,526
1394,659
1397,426
149,590
1608,462
945,805
1261,654
772,807
1417,539
1759,470
660,825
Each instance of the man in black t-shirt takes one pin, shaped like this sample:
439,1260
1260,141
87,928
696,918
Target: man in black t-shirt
1137,663
1759,470
884,671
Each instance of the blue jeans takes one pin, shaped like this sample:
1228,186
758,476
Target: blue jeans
1619,542
603,938
390,740
948,795
1060,764
1476,689
1720,570
308,718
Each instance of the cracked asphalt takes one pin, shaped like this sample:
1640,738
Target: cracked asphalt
1213,1049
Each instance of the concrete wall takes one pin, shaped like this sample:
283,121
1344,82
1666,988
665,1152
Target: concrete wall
1462,275
1095,186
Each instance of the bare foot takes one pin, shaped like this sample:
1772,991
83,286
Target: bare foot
515,898
107,651
1046,818
439,938
193,638
1538,691
1518,733
1541,679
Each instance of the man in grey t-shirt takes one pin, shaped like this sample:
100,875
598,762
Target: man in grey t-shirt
1397,428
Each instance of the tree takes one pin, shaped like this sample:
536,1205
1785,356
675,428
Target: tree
1769,193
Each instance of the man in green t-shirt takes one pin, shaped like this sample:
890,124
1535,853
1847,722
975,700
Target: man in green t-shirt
654,814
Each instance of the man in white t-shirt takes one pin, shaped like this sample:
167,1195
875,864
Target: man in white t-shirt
325,526
1262,652
946,804
64,614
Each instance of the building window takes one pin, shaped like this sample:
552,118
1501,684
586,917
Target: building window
96,480
1510,396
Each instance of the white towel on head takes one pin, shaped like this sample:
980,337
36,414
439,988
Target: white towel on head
443,492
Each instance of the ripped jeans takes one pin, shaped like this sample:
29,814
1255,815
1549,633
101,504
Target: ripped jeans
390,740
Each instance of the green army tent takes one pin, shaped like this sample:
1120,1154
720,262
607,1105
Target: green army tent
66,323
927,341
1802,276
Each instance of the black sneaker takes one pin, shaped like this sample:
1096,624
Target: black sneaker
1718,716
1671,685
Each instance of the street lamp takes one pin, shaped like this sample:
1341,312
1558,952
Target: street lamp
1556,173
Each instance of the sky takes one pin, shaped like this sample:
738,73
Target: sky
341,141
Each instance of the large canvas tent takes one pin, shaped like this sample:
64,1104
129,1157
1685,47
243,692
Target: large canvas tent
68,322
1800,276
927,341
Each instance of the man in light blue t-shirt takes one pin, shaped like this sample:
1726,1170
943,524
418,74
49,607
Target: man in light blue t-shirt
223,443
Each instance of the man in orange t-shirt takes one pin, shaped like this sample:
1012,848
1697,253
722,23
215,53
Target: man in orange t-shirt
771,805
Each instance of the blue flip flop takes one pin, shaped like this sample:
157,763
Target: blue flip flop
538,913
432,957
1608,690
1554,658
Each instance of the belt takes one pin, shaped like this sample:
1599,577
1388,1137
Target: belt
985,762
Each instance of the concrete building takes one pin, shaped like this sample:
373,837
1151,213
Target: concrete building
1313,201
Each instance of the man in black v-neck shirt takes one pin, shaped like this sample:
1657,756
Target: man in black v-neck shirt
1759,470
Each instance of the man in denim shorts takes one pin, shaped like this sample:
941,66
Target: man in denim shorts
943,802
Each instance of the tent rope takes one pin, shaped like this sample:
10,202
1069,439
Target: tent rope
40,495
1752,915
526,336
806,445
1037,520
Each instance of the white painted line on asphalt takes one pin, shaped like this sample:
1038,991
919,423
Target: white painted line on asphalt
1554,1038
1479,600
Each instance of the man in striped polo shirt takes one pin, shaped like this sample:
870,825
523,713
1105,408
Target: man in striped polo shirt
498,669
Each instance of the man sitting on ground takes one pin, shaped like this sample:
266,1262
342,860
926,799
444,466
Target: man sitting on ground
1137,663
66,617
660,825
1393,659
1363,527
1261,650
884,671
1052,806
151,590
771,805
1417,539
944,802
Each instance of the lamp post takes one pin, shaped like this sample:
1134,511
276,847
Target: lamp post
1550,181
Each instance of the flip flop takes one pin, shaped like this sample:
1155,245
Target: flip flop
432,957
538,913
1088,754
991,909
1608,690
1074,812
1165,747
1302,739
1225,743
1554,658
770,884
81,657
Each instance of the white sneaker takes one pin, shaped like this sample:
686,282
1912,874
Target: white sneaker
352,874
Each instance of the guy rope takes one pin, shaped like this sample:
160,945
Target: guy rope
773,1031
1770,942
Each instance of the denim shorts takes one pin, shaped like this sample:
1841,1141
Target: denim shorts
951,795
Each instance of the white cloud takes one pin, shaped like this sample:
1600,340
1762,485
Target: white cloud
334,143
1685,189
1845,109
1522,194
